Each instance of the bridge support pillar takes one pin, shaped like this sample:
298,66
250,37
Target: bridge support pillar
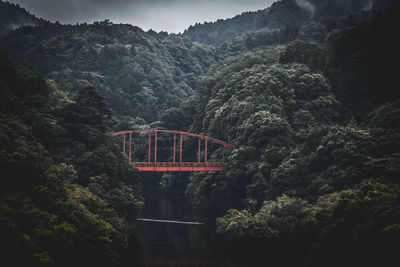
223,153
205,151
149,151
180,151
123,147
130,147
174,147
198,153
155,148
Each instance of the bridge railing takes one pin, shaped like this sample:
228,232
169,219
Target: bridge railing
177,157
177,164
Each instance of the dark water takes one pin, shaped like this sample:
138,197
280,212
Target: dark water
171,232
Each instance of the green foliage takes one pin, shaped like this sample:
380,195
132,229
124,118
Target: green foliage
314,169
270,109
139,73
283,226
253,39
346,228
68,194
282,218
316,19
13,17
287,123
280,14
306,53
356,60
364,221
304,92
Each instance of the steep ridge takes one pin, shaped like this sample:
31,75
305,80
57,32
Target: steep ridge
315,137
283,13
14,17
140,74
311,107
67,195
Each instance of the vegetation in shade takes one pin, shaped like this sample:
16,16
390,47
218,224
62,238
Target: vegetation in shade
305,91
67,195
14,17
350,227
314,18
293,110
139,73
142,74
312,174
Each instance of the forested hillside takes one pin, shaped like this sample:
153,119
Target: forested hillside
305,91
139,73
314,172
14,17
67,195
311,16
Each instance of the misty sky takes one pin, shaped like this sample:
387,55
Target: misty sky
159,15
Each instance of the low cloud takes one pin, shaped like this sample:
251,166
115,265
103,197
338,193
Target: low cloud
306,5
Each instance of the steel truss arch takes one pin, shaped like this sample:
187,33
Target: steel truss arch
175,165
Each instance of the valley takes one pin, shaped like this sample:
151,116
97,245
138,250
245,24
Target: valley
304,92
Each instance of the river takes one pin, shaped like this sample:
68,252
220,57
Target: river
170,233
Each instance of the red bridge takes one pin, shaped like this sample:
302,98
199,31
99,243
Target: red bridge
175,165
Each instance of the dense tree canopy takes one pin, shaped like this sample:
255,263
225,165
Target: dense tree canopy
140,74
14,17
315,145
66,194
304,91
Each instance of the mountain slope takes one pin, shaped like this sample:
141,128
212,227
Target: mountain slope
283,13
139,73
67,195
280,14
14,17
309,103
314,170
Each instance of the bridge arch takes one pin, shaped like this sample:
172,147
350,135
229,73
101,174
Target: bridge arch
178,164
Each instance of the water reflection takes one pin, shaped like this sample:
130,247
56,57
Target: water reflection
168,231
169,221
172,240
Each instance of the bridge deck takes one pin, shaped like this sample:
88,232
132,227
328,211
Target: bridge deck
183,166
177,164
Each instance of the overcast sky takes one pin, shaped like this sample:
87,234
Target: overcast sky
159,15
